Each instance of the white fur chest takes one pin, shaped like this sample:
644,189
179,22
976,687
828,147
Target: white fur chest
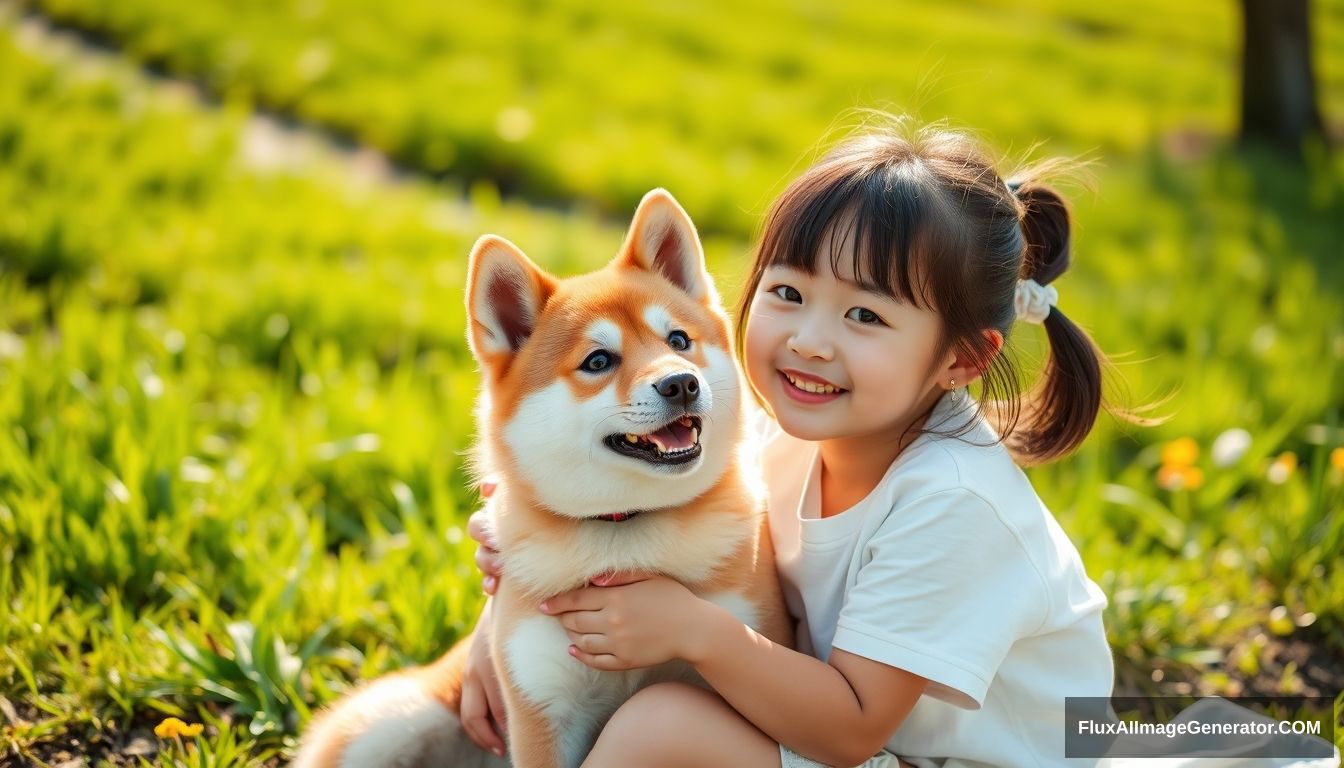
575,699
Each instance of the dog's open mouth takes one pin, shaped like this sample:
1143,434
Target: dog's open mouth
676,443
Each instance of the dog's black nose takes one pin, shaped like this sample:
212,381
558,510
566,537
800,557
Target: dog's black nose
681,388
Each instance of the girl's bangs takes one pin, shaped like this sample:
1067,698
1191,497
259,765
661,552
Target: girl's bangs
884,212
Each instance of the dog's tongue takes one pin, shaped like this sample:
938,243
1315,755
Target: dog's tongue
674,437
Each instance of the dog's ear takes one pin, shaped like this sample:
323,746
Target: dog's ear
663,240
505,295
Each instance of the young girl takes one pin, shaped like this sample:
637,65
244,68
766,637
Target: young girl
943,615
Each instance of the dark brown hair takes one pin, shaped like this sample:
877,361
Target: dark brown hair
934,225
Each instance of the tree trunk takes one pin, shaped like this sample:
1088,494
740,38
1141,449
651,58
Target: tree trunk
1278,89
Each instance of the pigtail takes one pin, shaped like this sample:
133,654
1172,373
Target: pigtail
1059,412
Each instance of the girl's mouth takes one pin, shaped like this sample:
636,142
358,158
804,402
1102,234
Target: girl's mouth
807,391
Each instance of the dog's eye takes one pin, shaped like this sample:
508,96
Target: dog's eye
598,361
679,341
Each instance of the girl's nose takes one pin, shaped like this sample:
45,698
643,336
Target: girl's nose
806,342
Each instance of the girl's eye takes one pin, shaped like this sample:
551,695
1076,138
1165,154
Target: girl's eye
679,341
787,293
865,316
598,361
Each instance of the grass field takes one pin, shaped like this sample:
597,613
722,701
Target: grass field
234,391
592,100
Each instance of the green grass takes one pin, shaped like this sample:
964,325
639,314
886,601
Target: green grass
592,100
234,397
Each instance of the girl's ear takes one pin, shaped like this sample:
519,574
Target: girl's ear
964,368
663,240
505,296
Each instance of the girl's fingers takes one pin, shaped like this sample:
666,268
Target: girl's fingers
494,698
478,528
582,599
487,557
591,644
603,661
475,718
581,621
487,561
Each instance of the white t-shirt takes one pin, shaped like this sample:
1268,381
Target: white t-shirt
953,569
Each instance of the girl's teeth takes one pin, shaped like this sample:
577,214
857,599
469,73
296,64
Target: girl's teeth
807,386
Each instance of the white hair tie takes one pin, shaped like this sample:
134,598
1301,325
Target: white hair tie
1033,301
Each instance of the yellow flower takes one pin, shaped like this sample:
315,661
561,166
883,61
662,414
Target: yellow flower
1180,452
1194,478
1178,477
172,727
1337,458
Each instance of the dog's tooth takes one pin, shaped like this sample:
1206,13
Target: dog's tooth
629,438
695,435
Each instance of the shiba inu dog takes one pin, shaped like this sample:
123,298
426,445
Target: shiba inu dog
612,412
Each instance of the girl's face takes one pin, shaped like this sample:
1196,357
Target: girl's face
836,361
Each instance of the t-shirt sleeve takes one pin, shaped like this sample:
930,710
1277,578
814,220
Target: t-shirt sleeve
944,590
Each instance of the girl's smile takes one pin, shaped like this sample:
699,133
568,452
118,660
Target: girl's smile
809,389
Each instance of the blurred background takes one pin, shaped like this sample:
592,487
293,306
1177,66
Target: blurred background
234,389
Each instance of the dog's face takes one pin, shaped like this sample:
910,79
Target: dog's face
614,391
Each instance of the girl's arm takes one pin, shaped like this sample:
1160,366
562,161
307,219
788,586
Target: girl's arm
838,713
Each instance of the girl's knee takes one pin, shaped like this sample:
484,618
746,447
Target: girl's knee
669,709
651,725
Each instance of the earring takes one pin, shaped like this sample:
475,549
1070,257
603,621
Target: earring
952,383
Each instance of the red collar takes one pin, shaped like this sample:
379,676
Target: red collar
618,517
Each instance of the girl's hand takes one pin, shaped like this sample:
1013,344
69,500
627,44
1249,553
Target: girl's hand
629,621
487,554
482,712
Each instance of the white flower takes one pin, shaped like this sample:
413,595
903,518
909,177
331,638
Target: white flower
1230,446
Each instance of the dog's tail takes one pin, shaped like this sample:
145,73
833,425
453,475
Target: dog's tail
403,720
